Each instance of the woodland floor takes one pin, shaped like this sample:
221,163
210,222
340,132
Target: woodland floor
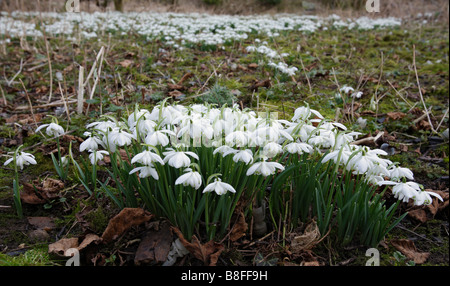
377,61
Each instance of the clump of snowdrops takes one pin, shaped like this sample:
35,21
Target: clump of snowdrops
198,165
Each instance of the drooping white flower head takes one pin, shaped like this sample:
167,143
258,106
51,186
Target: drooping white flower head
97,155
219,187
146,171
147,158
22,159
178,159
245,156
91,143
264,168
190,178
298,148
51,129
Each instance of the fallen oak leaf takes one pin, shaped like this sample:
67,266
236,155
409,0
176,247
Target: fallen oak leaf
208,253
124,220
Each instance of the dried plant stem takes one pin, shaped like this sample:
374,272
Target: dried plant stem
80,91
5,102
420,91
50,70
29,102
9,82
65,103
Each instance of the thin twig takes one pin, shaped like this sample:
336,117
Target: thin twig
9,82
50,70
29,101
420,90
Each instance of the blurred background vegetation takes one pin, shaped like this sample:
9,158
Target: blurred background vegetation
395,8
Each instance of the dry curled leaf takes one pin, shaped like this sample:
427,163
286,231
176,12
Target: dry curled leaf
61,246
408,248
395,115
154,246
427,212
127,218
307,240
239,229
208,253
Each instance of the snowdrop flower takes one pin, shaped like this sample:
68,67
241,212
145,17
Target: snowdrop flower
145,172
357,94
272,149
178,159
344,152
138,115
264,168
159,137
90,143
411,190
145,126
365,160
424,198
147,158
22,159
52,129
396,173
96,156
302,113
347,89
245,156
298,148
344,138
219,187
190,178
224,150
103,126
119,137
237,138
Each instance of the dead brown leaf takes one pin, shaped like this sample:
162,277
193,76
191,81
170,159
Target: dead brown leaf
425,213
126,63
185,77
61,246
239,229
88,240
127,218
41,192
305,241
154,246
30,196
408,248
175,93
395,115
208,253
45,223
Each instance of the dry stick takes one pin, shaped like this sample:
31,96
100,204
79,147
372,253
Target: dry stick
9,82
306,75
420,90
65,103
80,91
378,84
398,93
97,78
52,104
442,120
5,103
29,102
50,70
